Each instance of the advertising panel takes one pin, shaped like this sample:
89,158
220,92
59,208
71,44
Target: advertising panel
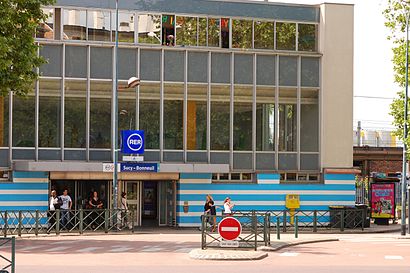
382,200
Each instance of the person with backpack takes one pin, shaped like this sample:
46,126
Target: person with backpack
53,205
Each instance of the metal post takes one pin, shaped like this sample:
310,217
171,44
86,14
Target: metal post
106,220
115,140
132,220
363,217
81,227
315,221
255,227
296,226
5,224
342,220
36,223
359,130
285,220
203,241
20,223
404,174
58,222
13,254
277,228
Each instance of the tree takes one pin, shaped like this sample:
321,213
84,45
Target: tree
18,52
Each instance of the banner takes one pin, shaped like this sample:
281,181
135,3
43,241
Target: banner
382,200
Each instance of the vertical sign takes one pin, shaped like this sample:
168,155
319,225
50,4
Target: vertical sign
383,200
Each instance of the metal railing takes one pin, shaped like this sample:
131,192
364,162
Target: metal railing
65,221
8,262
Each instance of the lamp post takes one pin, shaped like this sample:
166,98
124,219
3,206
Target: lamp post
132,82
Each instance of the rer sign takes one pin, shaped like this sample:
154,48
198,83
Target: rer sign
229,228
132,142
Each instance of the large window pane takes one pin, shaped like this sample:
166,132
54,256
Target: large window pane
197,67
126,109
288,71
186,31
150,65
173,116
242,119
168,30
220,117
149,109
149,29
52,54
174,66
100,114
265,119
46,29
75,24
307,38
241,34
310,72
4,121
101,62
285,36
213,32
24,121
126,27
221,68
75,114
196,121
225,32
287,120
127,58
76,61
99,25
309,121
265,70
202,31
264,35
49,113
243,69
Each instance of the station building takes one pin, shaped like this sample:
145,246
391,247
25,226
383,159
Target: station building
247,99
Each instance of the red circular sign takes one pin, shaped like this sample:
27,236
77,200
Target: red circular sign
229,228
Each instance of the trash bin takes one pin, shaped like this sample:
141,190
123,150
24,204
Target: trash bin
335,216
364,209
352,216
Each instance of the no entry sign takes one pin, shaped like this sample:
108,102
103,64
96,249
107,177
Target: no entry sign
229,228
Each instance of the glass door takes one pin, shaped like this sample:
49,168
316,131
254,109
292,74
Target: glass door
166,203
134,190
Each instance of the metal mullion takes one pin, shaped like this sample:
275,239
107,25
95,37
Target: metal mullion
277,112
87,107
137,103
86,25
298,107
230,32
62,118
136,30
274,35
185,114
197,31
161,105
231,111
254,114
208,108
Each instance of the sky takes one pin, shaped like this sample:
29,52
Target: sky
374,85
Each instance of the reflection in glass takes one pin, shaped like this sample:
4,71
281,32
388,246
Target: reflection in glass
186,31
242,119
307,37
225,32
149,29
285,36
99,25
309,121
241,34
4,121
202,32
49,113
265,119
126,109
24,121
149,109
220,117
46,29
287,120
196,118
100,114
125,28
168,30
75,24
173,116
75,114
213,32
264,35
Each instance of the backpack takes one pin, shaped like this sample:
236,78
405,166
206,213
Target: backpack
59,203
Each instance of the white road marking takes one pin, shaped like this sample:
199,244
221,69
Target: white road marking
88,249
29,248
393,257
289,254
59,248
152,249
183,250
120,249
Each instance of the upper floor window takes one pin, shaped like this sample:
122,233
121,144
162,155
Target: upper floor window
285,36
46,28
307,37
75,24
149,29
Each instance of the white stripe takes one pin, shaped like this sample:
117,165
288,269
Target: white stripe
274,203
277,213
274,192
341,182
233,229
268,181
30,180
120,249
59,248
195,181
23,203
289,254
23,191
189,224
393,257
88,249
28,248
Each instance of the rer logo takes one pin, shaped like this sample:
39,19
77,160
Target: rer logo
132,142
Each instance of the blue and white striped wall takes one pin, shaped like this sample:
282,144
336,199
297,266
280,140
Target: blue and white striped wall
27,191
266,194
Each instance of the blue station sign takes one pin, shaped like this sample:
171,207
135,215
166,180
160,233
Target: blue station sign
139,167
132,142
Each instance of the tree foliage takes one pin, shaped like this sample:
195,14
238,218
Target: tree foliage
18,52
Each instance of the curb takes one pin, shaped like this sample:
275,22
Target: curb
227,255
285,245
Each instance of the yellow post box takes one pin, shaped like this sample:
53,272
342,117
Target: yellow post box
292,203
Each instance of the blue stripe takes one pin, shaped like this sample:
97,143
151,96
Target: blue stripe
195,176
302,219
23,208
23,197
30,174
24,186
333,176
258,208
266,197
249,187
25,221
268,176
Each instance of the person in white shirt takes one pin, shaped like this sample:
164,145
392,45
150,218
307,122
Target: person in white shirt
65,208
124,211
52,206
228,206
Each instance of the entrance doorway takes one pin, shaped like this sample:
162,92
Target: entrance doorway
153,202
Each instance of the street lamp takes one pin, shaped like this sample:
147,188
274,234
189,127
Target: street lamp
132,82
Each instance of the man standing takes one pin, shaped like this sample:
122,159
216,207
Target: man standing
65,208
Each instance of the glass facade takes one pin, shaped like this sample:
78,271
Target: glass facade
262,104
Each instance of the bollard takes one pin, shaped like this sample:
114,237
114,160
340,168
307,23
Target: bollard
20,223
342,220
81,226
132,220
58,222
277,228
13,254
203,236
315,221
255,227
5,224
106,220
296,226
363,218
285,220
36,223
